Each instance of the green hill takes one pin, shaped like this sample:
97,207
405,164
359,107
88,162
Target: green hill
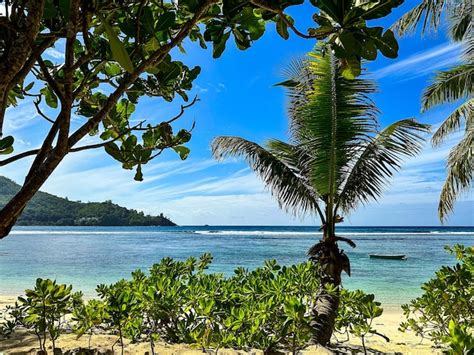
47,209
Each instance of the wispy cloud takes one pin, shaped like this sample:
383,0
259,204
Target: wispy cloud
422,63
54,53
210,87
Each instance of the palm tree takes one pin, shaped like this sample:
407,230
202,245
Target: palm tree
336,159
450,86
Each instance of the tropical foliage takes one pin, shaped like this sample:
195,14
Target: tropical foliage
450,86
110,54
337,158
444,312
42,311
268,308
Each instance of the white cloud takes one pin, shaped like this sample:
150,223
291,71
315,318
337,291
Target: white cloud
18,117
54,53
422,63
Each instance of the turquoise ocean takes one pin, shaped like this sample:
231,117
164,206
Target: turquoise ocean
87,256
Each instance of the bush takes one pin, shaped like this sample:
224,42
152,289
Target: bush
42,310
447,304
178,302
357,314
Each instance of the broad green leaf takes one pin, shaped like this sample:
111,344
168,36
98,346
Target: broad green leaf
369,50
119,52
6,151
112,69
165,21
29,86
49,10
349,43
65,8
386,43
372,10
152,45
50,97
220,46
182,151
282,28
139,174
6,142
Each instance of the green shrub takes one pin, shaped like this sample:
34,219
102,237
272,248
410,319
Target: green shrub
357,314
268,308
460,339
42,310
447,303
89,316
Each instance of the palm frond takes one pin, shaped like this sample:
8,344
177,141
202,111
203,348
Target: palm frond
463,113
449,86
333,117
468,42
378,160
428,11
277,167
460,20
460,173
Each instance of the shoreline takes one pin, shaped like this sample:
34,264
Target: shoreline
387,324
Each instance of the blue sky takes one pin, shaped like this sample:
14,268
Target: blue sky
237,97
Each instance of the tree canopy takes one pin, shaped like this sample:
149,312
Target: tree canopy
450,86
115,52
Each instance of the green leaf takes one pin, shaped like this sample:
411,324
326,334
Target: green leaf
114,151
6,151
165,21
351,68
369,50
220,46
139,174
387,44
49,10
152,45
282,28
349,43
182,151
119,52
6,142
29,86
373,9
50,97
112,69
65,8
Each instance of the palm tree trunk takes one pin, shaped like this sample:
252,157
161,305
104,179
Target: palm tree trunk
324,316
324,313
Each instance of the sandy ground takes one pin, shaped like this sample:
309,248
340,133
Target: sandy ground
400,343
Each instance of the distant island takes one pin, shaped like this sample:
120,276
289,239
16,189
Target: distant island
50,210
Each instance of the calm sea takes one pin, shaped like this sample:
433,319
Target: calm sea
87,256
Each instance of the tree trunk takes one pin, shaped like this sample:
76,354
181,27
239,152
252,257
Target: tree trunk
332,262
13,209
324,315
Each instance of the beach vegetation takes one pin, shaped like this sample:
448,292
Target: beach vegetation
269,308
85,65
337,158
357,315
42,310
443,313
460,339
88,316
450,86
